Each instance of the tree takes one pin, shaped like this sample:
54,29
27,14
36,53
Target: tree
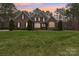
11,25
60,13
64,12
7,10
60,27
74,10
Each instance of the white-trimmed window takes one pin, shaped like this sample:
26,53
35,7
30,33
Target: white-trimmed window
37,25
18,24
26,24
35,18
51,24
38,18
43,25
43,19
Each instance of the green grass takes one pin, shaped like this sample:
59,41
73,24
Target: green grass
39,43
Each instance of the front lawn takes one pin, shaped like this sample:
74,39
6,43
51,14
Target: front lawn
35,43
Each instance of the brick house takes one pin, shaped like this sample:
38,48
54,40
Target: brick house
40,20
21,20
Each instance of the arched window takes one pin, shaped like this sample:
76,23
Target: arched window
51,24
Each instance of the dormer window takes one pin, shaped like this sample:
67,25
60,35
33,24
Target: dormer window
23,16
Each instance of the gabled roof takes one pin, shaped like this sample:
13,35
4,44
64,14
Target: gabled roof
48,17
19,13
33,14
27,14
37,12
24,12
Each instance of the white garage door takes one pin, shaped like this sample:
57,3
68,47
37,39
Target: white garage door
37,25
51,24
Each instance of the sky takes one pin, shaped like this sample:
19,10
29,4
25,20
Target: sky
43,6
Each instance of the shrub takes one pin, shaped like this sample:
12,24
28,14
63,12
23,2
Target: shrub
60,27
11,25
29,25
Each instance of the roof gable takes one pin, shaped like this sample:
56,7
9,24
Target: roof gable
21,13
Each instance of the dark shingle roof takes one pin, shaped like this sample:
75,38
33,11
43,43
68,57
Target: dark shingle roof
24,12
36,13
